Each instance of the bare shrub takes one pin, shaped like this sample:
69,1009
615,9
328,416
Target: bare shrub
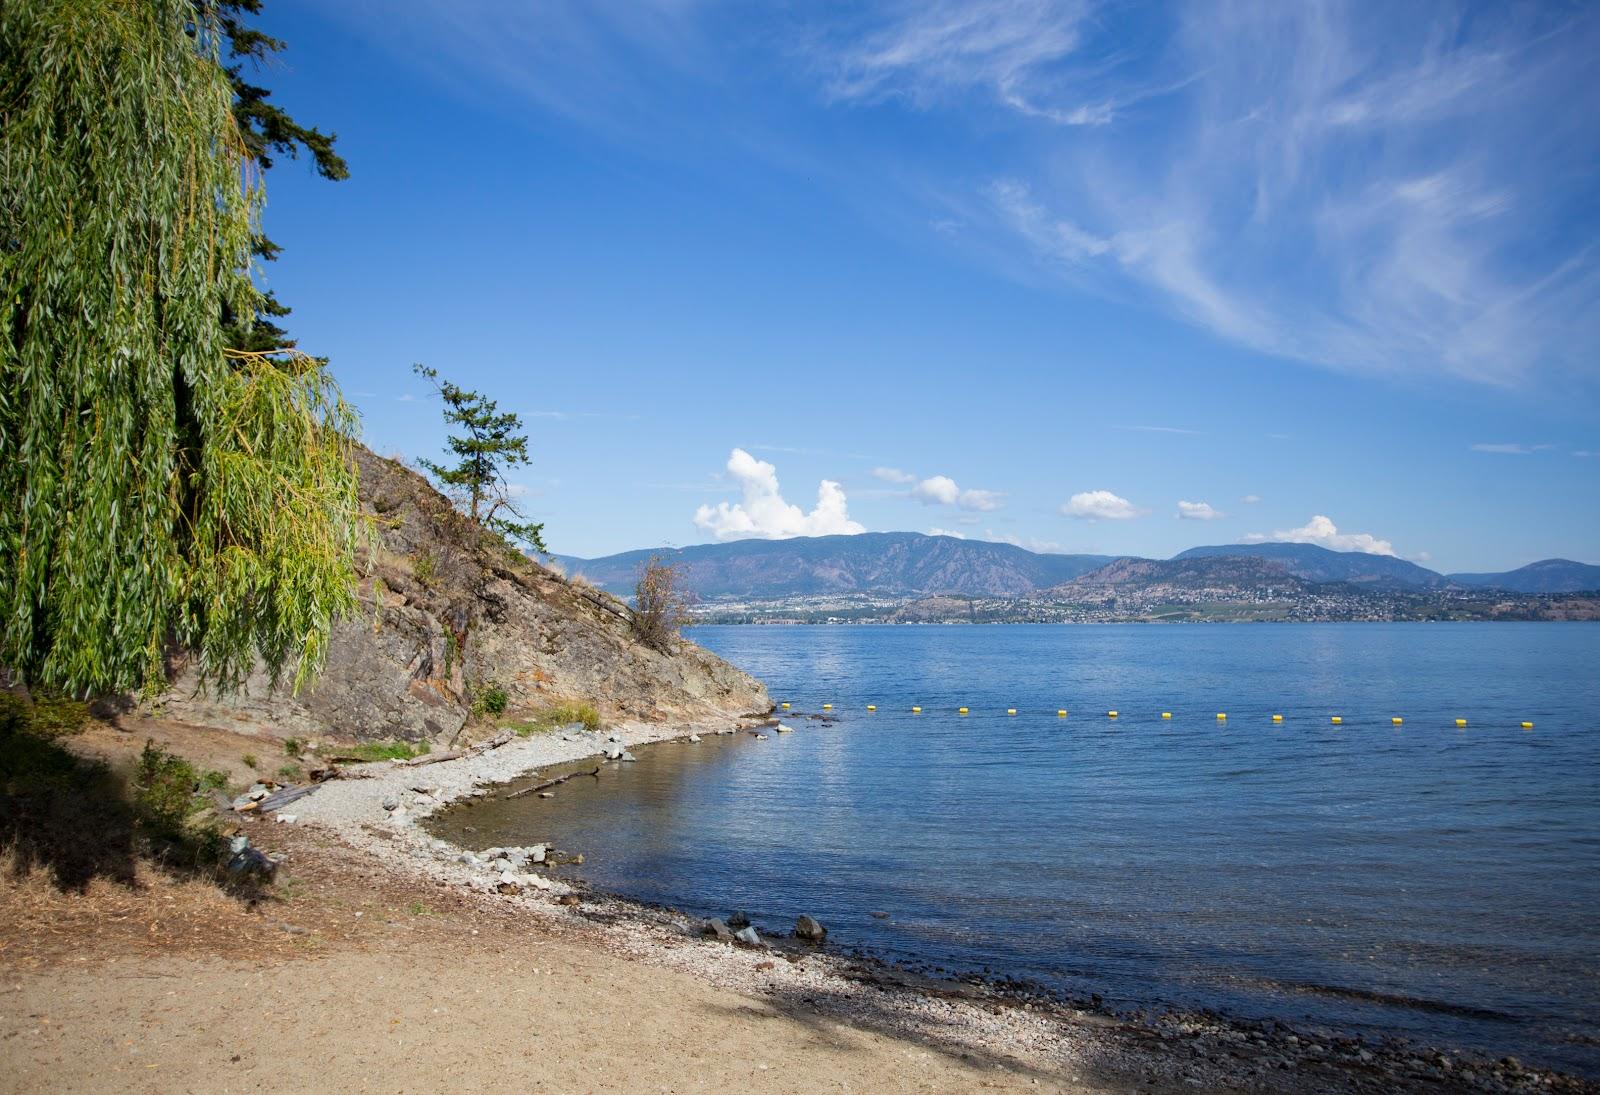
660,604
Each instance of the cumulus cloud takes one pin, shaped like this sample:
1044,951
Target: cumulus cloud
764,514
893,475
941,490
1099,505
1322,532
1198,511
1250,499
1028,543
947,532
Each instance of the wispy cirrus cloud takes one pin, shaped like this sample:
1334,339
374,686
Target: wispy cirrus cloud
1509,448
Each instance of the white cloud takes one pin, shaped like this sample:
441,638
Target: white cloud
947,532
1505,448
1028,543
941,490
1100,505
893,475
1250,499
1322,532
1584,453
1198,511
764,514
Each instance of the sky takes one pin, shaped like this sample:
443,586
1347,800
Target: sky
1083,276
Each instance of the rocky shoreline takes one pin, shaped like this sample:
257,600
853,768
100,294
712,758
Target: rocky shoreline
379,812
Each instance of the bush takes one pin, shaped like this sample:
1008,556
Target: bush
424,566
490,699
164,789
292,747
47,714
660,605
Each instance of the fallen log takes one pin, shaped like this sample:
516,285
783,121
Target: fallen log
282,798
549,783
434,758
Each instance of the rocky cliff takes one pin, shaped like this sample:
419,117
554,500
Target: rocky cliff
448,613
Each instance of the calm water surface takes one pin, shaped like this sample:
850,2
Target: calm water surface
1423,880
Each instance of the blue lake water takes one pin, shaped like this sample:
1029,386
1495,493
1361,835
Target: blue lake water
1424,880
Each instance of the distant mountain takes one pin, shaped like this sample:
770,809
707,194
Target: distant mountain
1318,564
1545,576
1232,573
890,563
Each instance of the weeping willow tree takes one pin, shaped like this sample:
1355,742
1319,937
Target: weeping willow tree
158,491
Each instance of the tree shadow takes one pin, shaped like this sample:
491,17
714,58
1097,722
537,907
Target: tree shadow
78,819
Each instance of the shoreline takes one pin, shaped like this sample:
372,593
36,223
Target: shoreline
379,812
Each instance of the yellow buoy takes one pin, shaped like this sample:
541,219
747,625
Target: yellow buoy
1461,723
784,706
1222,716
1337,720
916,710
872,707
1111,714
1011,710
1166,714
827,707
961,710
1527,726
1277,718
1397,720
1061,714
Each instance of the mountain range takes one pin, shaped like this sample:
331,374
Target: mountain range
911,564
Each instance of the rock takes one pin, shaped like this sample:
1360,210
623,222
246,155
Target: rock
399,817
766,964
810,929
879,915
748,937
613,737
626,756
568,899
244,803
536,853
287,819
782,729
694,738
717,929
760,737
739,919
510,889
391,804
614,751
257,792
547,794
502,864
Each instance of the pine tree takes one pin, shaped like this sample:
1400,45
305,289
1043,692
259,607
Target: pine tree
488,444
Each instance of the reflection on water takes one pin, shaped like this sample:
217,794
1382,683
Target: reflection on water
1422,880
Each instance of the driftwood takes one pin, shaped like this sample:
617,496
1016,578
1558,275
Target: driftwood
549,783
284,797
433,758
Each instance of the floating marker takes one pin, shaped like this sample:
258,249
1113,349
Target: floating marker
1111,714
1277,718
961,710
1222,716
872,707
1461,723
1397,720
1527,726
1336,720
784,706
1166,714
1061,714
827,707
1011,710
916,710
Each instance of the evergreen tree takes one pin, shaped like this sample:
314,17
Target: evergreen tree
157,488
488,444
267,130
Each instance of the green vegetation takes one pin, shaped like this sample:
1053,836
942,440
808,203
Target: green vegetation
249,760
423,567
489,443
45,714
288,772
489,699
385,750
163,487
565,714
419,909
166,790
293,747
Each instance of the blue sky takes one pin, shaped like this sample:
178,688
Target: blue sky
1084,276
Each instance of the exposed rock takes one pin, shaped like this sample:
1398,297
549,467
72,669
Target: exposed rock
718,930
739,919
748,937
441,604
810,929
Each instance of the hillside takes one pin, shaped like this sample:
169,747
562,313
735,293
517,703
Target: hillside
1222,573
1545,576
1319,564
895,563
446,611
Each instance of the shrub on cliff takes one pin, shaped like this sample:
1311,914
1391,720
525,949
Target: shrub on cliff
660,604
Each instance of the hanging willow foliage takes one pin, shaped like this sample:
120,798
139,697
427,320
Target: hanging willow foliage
156,490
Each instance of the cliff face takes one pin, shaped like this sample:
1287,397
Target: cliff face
446,611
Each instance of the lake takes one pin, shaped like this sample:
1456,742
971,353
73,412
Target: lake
1425,880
